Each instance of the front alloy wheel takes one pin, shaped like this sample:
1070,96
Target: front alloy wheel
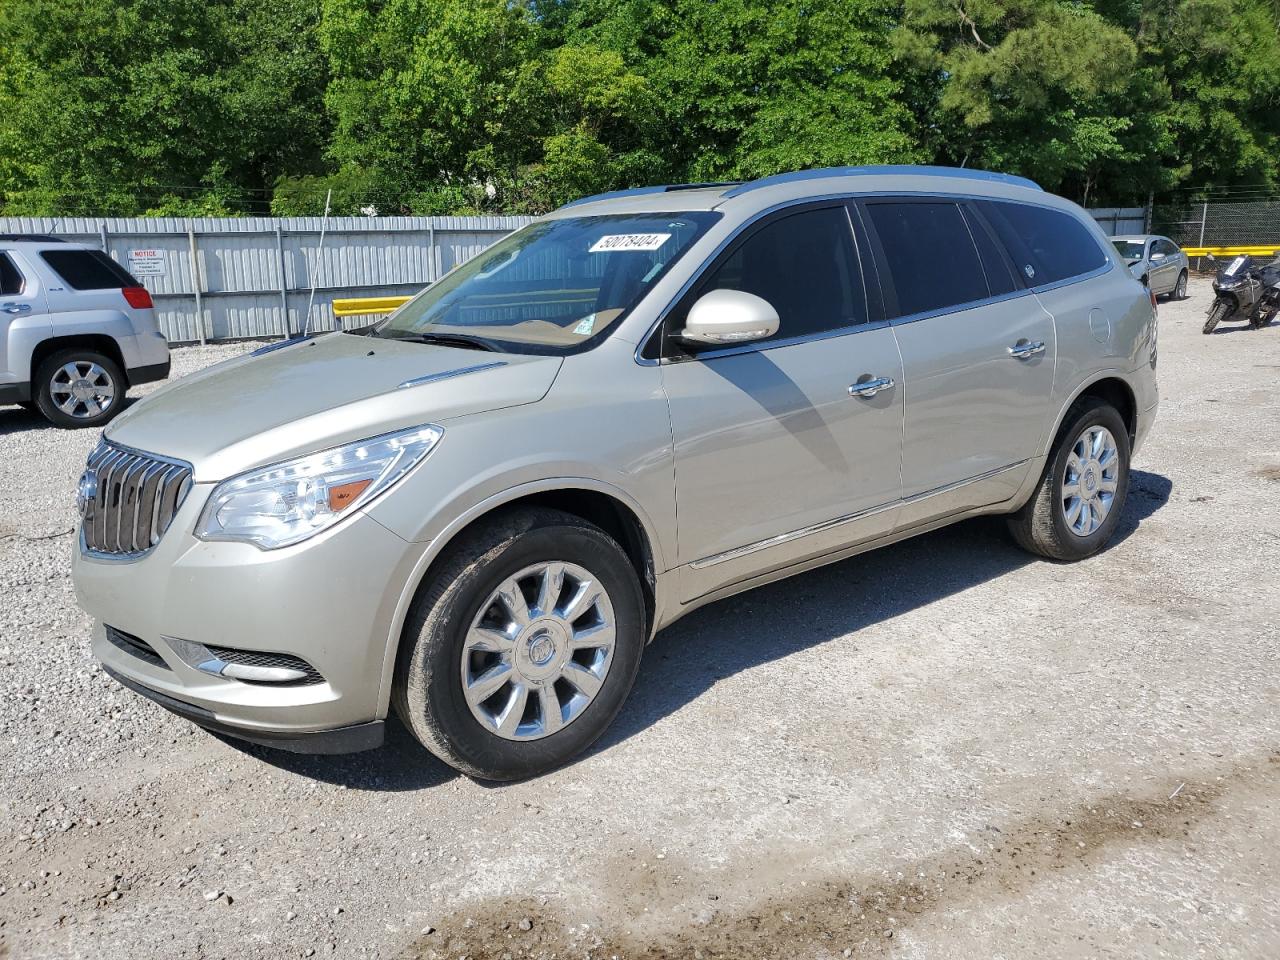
531,669
522,645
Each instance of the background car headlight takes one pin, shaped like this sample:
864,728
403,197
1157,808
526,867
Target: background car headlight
288,502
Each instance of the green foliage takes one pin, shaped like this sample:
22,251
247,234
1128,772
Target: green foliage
205,107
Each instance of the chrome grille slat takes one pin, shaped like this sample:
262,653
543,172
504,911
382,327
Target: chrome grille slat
138,495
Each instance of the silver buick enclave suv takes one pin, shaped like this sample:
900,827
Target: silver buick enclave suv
480,508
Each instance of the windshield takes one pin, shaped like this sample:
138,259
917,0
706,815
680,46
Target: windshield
552,286
1129,249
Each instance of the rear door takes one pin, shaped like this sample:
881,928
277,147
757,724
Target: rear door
24,316
777,460
977,350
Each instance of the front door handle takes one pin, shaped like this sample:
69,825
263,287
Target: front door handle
16,307
1025,349
869,388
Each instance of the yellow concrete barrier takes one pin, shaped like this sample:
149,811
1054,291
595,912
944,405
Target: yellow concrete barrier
1258,251
361,306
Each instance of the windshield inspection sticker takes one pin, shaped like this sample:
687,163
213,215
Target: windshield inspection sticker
615,242
585,325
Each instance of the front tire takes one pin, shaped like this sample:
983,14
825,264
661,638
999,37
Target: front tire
1180,288
77,388
1216,315
1076,507
522,647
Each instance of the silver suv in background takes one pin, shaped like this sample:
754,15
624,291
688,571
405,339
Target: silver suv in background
478,510
76,331
1156,261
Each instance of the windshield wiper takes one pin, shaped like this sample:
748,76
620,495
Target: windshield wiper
451,340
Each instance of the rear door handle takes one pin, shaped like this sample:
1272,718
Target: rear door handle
869,388
1024,349
16,307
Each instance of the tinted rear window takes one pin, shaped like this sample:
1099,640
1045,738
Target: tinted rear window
88,269
930,255
10,279
1000,278
1055,245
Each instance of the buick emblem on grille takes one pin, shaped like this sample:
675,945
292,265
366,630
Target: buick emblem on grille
86,491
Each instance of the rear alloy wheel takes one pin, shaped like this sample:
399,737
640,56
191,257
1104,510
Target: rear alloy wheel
79,388
521,648
1075,509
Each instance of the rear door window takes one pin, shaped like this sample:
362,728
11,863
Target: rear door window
1000,278
1048,245
88,269
929,253
805,265
11,282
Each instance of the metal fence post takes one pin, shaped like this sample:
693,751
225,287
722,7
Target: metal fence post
195,280
284,288
434,273
1204,218
102,233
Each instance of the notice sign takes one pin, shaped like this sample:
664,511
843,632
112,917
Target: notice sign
629,241
146,263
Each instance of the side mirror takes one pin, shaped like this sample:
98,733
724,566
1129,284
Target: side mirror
727,317
1156,257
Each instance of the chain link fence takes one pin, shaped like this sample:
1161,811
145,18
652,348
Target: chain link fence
1209,223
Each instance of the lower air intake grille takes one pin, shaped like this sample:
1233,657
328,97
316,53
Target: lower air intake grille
133,501
135,646
251,658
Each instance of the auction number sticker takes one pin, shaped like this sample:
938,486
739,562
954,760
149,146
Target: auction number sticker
614,242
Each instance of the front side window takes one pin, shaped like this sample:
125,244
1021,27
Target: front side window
11,282
1055,244
551,287
88,269
930,255
805,266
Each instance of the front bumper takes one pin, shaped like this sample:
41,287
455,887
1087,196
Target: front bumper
329,601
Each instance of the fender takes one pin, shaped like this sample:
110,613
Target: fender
1109,373
434,547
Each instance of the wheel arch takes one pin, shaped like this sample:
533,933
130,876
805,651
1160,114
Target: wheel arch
101,342
1109,386
600,504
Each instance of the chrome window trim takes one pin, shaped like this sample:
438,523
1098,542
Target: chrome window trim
775,541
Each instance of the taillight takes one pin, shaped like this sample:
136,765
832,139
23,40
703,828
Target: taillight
137,297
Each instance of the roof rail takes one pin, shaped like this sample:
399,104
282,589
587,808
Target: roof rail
872,171
640,191
33,237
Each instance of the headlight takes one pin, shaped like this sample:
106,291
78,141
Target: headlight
288,502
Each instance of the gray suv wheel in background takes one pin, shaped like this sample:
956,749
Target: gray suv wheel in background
79,388
521,645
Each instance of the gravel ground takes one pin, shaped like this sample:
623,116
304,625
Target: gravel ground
941,749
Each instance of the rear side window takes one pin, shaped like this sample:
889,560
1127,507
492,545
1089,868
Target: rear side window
1048,245
930,255
805,265
88,269
1000,278
11,281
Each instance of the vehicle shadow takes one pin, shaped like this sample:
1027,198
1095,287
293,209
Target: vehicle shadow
400,764
774,621
21,420
742,632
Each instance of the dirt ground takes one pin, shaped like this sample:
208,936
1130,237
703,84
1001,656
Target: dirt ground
941,749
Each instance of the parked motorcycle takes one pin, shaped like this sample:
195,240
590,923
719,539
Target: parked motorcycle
1244,291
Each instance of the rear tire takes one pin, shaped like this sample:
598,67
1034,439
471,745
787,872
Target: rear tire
77,388
1218,311
1180,288
1053,522
467,630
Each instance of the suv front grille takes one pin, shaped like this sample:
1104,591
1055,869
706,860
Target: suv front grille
136,496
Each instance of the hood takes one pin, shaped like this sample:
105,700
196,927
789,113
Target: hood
318,393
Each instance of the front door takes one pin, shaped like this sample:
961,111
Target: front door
777,460
977,350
